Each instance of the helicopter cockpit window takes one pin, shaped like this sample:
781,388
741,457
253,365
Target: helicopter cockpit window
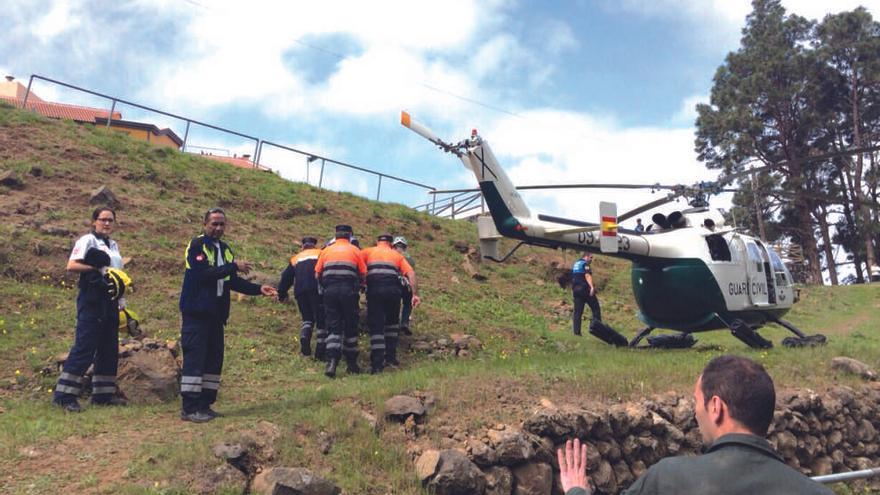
734,248
755,257
779,270
718,248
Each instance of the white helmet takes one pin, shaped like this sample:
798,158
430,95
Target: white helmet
399,240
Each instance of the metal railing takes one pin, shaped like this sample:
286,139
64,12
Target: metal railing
311,157
114,100
456,204
258,142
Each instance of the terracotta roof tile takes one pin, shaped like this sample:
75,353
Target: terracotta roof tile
63,111
238,162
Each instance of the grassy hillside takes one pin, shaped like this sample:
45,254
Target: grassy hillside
528,351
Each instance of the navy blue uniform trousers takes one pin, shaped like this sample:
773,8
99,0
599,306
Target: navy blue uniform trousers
97,341
341,317
383,312
581,295
202,344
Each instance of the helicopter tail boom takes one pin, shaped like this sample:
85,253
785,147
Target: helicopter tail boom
513,219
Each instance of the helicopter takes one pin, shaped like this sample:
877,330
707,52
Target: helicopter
690,272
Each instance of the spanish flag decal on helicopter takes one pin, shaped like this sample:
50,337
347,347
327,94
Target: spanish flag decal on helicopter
609,226
608,221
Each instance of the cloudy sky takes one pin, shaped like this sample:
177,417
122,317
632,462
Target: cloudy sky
565,91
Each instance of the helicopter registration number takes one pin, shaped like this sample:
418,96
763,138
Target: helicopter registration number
589,238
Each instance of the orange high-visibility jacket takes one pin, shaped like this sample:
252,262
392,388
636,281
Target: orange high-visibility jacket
384,264
340,262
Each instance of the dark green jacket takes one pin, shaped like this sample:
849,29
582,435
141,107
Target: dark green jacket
734,464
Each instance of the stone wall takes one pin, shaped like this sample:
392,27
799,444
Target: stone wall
816,433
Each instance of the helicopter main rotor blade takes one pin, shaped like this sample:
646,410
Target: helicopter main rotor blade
647,206
569,186
823,198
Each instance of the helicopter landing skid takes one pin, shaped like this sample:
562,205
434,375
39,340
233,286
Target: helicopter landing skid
674,341
607,334
801,339
638,338
748,335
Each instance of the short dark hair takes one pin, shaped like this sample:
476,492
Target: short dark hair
211,211
746,389
97,212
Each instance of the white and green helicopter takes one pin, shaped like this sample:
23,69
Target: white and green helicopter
690,272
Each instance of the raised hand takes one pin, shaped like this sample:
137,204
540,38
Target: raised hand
573,466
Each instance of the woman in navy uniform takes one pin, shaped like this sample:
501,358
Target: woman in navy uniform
97,318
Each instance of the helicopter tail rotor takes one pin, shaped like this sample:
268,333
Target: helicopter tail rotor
509,211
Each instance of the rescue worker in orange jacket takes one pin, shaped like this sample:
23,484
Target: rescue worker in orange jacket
385,266
300,273
340,270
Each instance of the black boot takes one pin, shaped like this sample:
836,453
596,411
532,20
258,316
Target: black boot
305,341
330,370
352,367
391,359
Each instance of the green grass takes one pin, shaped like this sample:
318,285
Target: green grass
528,351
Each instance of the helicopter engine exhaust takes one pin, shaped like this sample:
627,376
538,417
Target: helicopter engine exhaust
659,220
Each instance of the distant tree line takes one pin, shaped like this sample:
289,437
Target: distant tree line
797,89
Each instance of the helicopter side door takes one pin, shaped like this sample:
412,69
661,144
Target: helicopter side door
782,277
768,273
757,276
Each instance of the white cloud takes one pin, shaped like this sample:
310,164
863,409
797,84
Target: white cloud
241,55
58,20
687,113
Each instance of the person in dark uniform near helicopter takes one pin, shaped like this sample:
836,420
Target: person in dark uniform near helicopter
640,228
98,303
583,291
300,273
211,272
340,271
